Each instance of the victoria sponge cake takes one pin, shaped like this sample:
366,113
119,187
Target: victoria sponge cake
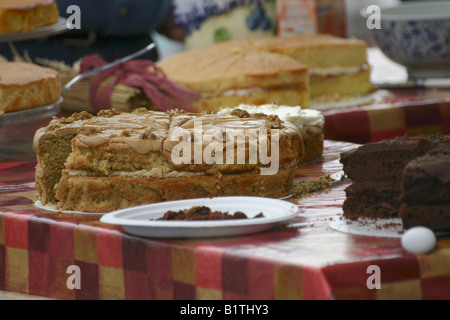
227,74
26,15
26,85
337,66
282,70
116,160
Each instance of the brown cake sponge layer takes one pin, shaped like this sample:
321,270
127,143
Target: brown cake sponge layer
103,194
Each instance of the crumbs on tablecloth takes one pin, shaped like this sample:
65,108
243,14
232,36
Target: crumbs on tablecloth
286,227
307,187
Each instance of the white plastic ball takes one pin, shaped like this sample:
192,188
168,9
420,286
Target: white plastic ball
419,240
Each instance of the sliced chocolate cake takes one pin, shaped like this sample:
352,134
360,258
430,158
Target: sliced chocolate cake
380,185
425,197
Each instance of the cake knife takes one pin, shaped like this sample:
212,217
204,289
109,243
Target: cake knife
106,67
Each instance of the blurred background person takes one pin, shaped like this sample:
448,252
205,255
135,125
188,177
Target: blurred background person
111,28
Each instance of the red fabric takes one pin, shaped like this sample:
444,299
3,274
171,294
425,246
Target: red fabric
144,74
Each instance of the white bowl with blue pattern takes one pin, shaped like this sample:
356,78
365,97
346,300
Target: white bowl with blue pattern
417,36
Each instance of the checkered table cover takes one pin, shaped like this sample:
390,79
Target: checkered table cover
404,114
309,262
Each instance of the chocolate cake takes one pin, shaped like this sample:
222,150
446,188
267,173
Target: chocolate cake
425,197
381,185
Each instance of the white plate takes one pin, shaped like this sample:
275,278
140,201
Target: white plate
38,204
141,221
378,96
58,27
387,228
30,115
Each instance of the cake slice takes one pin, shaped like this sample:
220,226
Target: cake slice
405,177
376,172
384,160
53,145
425,191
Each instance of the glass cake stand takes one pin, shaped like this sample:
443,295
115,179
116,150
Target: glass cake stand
18,128
43,32
31,115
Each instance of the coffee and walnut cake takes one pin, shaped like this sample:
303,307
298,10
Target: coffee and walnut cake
117,160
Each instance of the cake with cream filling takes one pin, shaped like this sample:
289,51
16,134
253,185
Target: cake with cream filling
393,179
288,70
26,85
26,15
310,123
117,160
338,67
230,73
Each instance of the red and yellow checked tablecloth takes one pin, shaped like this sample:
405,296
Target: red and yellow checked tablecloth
310,262
406,113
